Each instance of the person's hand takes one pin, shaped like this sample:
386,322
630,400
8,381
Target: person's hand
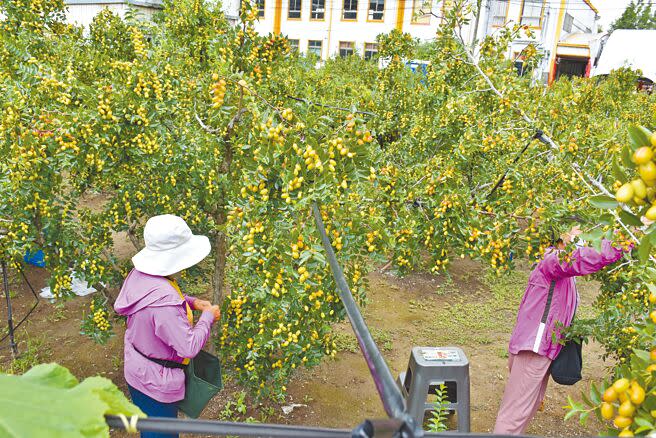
216,310
202,304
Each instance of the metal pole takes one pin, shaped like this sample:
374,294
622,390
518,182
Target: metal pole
390,395
10,322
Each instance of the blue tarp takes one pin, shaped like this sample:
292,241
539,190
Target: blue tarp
35,258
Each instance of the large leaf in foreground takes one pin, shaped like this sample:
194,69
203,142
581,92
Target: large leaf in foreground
47,402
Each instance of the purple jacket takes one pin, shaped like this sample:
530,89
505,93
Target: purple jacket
535,325
159,328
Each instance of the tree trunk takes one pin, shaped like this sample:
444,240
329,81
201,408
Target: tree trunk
220,217
219,268
218,279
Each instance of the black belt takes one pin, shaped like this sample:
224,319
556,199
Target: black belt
162,362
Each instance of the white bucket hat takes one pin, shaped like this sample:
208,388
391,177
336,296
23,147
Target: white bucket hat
170,246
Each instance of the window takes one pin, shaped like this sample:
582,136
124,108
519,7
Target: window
567,24
376,10
350,10
346,48
318,9
421,10
294,9
532,13
499,12
314,47
293,44
370,50
260,8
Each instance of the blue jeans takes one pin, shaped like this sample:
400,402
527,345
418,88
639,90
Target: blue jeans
154,408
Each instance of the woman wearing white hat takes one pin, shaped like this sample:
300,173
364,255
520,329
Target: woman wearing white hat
160,331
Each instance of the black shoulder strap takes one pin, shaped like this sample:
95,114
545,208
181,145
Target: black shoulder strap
547,306
163,362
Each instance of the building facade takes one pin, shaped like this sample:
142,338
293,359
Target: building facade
329,28
561,30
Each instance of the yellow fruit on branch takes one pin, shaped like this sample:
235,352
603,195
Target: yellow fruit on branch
626,432
626,409
643,155
607,411
621,385
621,422
625,193
647,172
610,395
637,394
639,188
651,215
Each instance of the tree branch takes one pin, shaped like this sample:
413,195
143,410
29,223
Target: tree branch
309,102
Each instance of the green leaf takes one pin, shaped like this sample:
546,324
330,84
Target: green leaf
595,395
584,417
586,400
45,404
644,249
651,288
570,414
104,388
52,375
642,422
626,157
630,219
638,137
603,202
607,219
618,171
643,355
305,255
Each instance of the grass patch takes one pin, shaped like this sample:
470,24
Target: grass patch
348,342
470,321
34,354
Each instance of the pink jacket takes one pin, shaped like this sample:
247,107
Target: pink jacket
536,324
158,326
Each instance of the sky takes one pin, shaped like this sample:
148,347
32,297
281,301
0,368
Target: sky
609,10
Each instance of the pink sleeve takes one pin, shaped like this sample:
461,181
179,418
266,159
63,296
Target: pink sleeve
190,300
583,261
173,328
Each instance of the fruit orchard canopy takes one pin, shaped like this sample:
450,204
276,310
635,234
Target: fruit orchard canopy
629,48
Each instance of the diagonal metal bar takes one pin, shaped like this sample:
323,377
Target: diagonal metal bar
389,392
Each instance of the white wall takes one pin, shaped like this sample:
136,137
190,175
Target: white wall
82,12
82,15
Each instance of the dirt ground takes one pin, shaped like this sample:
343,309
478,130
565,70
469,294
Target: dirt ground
465,309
